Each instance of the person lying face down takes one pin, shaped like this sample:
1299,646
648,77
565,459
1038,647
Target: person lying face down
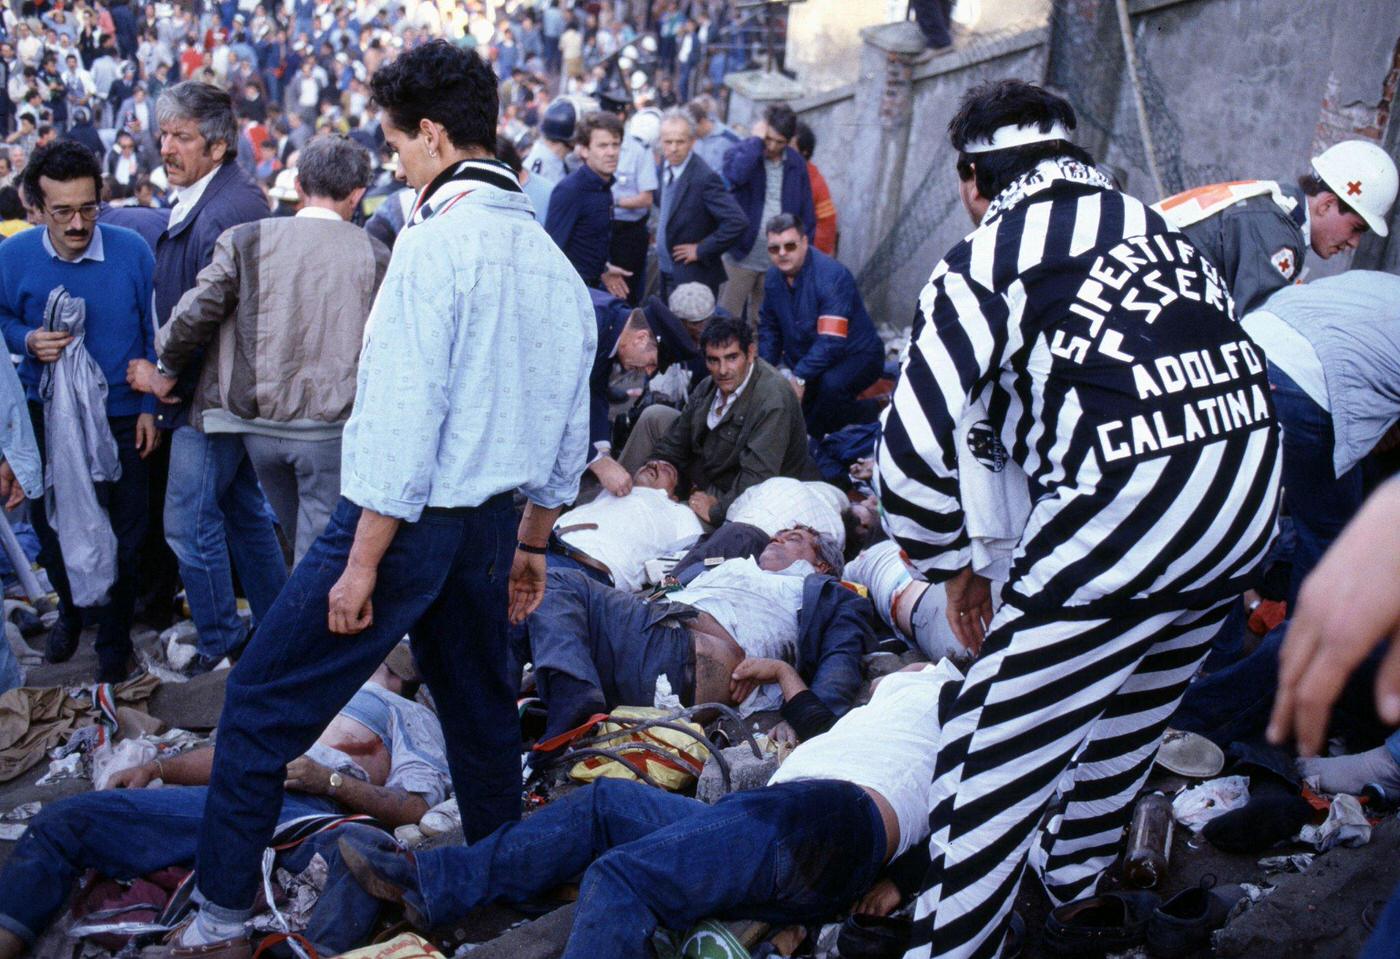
801,849
594,647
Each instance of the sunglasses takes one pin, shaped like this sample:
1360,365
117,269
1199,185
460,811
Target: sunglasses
788,247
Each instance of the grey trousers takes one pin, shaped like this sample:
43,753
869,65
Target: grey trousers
301,479
744,285
651,426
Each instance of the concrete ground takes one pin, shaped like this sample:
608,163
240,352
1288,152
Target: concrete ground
1315,915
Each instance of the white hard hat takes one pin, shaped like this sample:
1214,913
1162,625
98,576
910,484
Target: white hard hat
1363,176
285,186
645,125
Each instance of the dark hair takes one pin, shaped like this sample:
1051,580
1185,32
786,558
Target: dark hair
990,106
62,160
508,154
781,224
806,140
11,207
1312,185
781,120
333,166
598,120
722,330
442,83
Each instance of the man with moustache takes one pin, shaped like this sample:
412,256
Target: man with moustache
213,507
110,269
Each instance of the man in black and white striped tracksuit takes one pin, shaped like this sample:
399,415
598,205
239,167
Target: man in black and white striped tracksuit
1107,353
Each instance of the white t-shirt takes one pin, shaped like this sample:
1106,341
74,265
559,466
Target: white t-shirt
758,609
782,502
632,529
889,745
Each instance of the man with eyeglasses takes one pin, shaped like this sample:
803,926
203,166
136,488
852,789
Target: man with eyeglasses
814,326
111,270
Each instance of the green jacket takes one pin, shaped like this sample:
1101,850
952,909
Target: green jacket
761,436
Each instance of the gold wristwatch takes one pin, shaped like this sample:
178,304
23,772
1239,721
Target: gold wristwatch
336,781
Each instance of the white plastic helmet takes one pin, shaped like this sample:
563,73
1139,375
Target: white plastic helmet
645,125
1363,176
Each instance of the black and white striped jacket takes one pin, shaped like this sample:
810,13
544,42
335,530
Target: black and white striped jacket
1114,372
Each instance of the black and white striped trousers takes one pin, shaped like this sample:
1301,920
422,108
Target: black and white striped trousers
1054,704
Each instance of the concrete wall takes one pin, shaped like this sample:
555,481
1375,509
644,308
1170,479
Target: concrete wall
1234,88
823,38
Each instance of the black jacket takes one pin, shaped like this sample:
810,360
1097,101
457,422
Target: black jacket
703,212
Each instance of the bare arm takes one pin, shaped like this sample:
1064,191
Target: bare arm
187,769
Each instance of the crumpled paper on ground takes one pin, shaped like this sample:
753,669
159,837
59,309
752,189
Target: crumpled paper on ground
1198,805
65,767
302,890
16,821
1346,825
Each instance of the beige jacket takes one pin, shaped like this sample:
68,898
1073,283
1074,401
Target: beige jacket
278,316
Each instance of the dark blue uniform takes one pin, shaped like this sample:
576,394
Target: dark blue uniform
818,328
580,221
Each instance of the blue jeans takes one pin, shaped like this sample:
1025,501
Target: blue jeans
126,833
443,582
830,403
214,508
1320,501
1232,706
595,647
796,852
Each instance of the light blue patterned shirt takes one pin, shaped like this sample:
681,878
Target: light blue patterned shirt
473,379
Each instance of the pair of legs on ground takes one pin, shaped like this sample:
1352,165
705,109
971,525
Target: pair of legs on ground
443,581
792,853
1053,705
125,834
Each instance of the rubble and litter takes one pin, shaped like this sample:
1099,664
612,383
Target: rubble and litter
14,822
1295,862
1197,805
1346,825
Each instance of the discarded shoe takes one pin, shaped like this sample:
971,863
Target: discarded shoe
202,664
63,640
1100,924
873,937
1182,925
386,874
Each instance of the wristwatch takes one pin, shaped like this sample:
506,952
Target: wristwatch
165,371
799,381
336,781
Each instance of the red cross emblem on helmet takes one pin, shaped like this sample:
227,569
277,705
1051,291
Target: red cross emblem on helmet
1354,188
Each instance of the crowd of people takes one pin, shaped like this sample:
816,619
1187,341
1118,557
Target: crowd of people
498,344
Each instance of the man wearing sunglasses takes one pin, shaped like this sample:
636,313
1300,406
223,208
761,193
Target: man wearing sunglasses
814,325
111,271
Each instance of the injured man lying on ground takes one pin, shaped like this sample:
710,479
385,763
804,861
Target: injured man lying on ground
382,756
594,647
803,848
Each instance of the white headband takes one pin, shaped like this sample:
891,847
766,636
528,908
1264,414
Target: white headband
1007,137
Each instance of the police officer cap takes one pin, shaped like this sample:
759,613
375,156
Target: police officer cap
614,99
559,121
673,341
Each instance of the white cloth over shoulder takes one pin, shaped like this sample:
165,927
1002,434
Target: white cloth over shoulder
80,452
995,494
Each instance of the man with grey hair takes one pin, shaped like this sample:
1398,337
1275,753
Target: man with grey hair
595,647
281,311
700,220
212,506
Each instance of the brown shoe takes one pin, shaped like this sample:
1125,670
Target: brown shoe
238,948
